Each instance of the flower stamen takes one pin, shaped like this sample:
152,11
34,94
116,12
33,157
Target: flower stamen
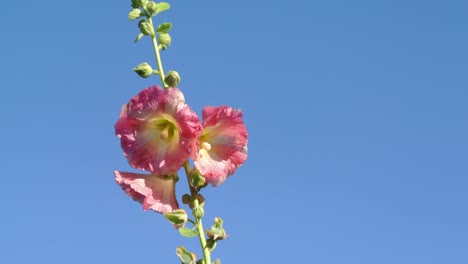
206,146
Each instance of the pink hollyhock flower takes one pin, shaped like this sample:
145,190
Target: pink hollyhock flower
223,143
158,131
152,191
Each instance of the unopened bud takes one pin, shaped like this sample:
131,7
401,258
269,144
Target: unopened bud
198,212
144,70
172,79
164,39
218,222
151,7
134,14
146,28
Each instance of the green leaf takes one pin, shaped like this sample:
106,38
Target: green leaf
164,28
187,232
161,7
139,37
185,256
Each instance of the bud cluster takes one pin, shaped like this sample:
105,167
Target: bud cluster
145,10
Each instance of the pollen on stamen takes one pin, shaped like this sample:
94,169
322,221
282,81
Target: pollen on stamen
165,133
206,146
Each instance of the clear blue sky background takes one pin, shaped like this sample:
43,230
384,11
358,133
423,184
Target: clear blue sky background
356,110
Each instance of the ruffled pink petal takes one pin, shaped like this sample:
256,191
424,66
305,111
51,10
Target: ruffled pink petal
146,142
153,192
223,144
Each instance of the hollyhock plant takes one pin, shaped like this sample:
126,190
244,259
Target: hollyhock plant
152,191
160,134
157,130
223,143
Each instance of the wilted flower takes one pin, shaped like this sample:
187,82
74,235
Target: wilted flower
223,143
152,191
158,131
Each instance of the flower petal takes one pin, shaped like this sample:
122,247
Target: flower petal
153,192
158,131
223,143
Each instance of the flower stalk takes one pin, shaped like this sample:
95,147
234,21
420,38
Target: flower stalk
157,54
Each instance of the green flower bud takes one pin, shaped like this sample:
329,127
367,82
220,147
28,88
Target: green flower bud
217,231
144,70
146,28
151,7
172,79
198,212
218,222
164,39
141,3
134,14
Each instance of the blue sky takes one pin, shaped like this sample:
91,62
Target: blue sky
356,111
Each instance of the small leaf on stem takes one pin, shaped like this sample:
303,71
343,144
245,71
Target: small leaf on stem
187,232
164,28
139,37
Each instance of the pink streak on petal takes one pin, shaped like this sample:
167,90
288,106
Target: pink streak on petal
142,144
225,131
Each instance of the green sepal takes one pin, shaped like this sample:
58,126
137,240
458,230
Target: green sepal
187,232
162,6
201,261
211,244
185,256
138,37
217,231
197,180
134,14
164,28
177,217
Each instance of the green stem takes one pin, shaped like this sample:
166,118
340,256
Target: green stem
198,224
158,56
201,235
